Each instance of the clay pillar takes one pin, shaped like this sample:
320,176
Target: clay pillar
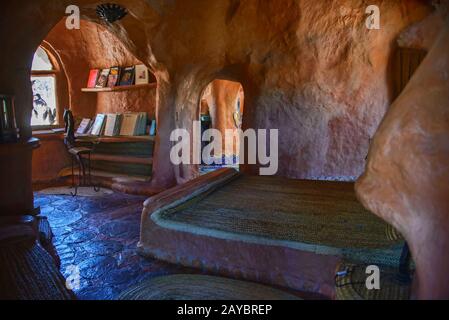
406,181
16,193
163,169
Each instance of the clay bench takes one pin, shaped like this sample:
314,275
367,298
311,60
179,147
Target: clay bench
282,232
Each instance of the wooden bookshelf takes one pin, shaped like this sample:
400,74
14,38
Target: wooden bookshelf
122,155
120,88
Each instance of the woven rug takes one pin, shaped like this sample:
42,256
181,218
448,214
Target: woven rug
319,213
351,285
27,272
199,287
82,191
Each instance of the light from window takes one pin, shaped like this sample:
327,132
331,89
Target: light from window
41,61
44,101
44,93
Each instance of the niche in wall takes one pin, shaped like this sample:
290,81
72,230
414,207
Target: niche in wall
77,52
94,47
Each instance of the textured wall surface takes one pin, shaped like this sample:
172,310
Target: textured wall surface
406,179
94,47
309,68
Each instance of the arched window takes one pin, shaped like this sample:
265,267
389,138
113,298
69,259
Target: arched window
43,80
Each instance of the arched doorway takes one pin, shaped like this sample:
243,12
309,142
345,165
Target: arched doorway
221,109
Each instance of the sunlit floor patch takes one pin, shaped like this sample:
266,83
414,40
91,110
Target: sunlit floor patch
98,236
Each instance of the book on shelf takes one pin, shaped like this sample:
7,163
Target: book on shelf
127,76
84,126
142,127
134,124
142,74
114,77
98,126
93,76
129,124
112,127
102,80
153,128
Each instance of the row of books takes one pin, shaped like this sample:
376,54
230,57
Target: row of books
117,76
116,124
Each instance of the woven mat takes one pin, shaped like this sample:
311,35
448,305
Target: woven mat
82,191
310,212
27,272
199,287
352,285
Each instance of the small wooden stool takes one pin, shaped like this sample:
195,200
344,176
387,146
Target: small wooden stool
77,154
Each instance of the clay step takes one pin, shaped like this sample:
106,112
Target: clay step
67,172
121,158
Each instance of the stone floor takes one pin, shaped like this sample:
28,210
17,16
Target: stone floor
98,237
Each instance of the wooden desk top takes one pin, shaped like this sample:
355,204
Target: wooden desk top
119,139
13,147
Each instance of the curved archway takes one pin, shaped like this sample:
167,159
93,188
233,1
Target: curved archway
221,109
75,53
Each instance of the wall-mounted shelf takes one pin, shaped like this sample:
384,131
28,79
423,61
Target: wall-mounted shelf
120,88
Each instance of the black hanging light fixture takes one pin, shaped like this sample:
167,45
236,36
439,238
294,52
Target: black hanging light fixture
111,12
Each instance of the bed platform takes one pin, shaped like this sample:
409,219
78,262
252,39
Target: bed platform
278,231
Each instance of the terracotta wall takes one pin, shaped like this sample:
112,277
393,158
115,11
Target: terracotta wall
140,100
309,68
327,85
406,181
92,46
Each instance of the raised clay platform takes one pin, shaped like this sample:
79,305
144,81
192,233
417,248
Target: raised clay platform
271,230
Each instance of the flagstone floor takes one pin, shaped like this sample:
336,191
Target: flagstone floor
97,236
